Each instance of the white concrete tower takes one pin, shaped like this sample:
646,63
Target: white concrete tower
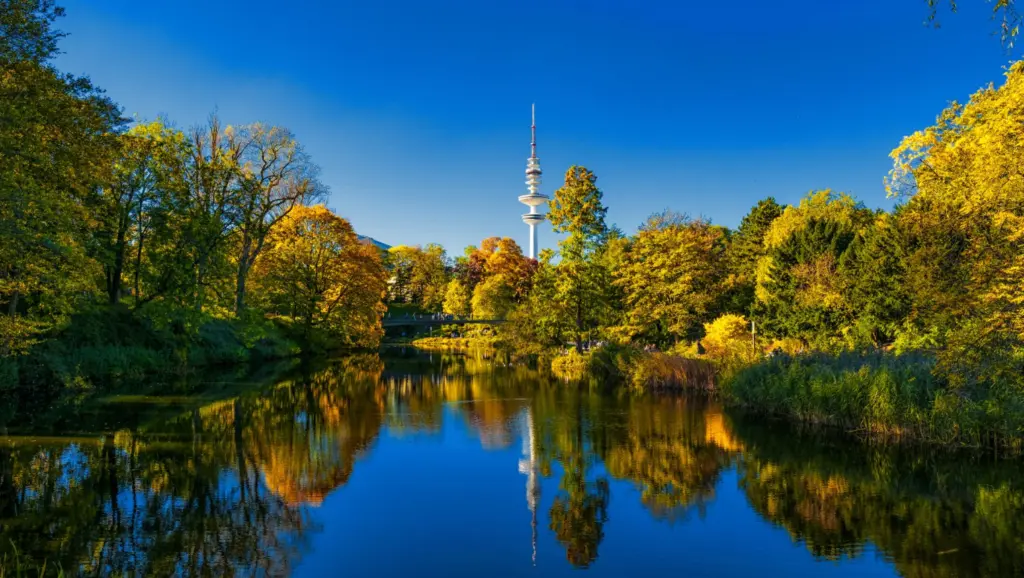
533,199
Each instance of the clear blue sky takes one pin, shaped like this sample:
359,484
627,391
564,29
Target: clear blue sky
418,112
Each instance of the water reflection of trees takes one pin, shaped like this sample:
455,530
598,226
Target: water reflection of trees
674,450
228,487
107,508
934,516
222,489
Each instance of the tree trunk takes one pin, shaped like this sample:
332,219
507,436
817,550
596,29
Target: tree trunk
115,273
243,273
579,324
138,257
200,279
12,307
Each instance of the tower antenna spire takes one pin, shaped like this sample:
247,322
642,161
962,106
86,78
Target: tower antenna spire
533,198
533,131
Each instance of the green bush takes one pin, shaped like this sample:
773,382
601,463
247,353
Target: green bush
613,363
109,345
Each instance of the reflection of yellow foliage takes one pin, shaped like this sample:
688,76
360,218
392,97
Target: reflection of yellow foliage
670,458
300,476
716,431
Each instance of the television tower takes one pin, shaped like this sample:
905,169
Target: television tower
533,199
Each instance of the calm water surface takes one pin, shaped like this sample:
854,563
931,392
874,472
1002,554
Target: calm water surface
410,464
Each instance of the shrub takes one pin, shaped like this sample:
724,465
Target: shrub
572,366
613,362
727,342
481,341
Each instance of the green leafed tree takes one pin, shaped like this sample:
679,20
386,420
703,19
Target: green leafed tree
57,140
874,278
577,210
745,249
672,276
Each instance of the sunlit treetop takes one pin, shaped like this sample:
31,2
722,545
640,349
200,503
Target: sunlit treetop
972,155
823,205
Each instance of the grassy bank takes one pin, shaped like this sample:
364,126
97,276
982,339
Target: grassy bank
110,345
474,342
614,364
884,396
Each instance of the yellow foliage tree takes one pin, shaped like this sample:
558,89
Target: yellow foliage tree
964,177
317,271
493,299
727,340
457,299
671,276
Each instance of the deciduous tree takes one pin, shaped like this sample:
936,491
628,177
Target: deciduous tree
671,277
577,210
317,271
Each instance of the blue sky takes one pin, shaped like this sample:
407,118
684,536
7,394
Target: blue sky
419,112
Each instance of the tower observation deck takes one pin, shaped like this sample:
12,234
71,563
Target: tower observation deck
533,199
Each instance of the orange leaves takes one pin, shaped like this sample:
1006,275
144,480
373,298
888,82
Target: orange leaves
317,271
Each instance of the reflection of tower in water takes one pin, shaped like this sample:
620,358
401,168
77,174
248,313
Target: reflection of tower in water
528,465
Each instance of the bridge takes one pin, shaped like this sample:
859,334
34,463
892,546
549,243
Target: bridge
429,320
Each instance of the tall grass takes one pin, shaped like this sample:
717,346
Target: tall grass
623,364
17,566
880,395
667,371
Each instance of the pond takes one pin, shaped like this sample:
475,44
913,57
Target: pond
412,463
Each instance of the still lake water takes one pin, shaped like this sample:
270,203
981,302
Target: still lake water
415,464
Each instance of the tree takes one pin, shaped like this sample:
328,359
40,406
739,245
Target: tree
745,249
418,275
800,293
317,271
671,277
25,30
207,206
538,322
140,177
276,176
493,298
875,281
507,261
57,138
964,219
457,299
577,210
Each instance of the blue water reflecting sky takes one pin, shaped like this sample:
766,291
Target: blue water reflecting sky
443,504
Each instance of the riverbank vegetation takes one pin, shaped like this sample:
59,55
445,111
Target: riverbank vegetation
906,323
128,247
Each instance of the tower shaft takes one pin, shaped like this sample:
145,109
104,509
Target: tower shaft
533,198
